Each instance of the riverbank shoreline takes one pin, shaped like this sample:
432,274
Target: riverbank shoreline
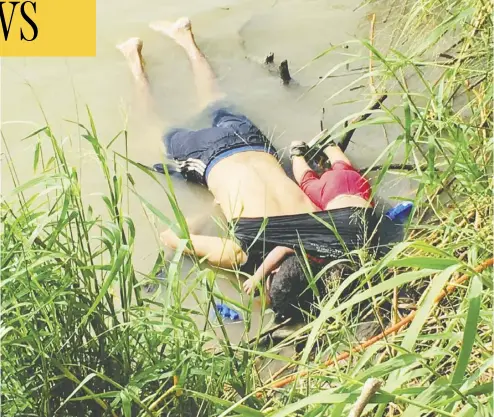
80,337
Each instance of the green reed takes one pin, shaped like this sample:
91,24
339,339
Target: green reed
79,338
441,364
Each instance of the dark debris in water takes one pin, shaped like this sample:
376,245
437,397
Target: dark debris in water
151,287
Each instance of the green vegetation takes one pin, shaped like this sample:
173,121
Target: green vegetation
72,348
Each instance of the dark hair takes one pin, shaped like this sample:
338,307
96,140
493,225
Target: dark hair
289,292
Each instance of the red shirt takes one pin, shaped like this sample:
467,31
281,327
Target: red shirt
341,179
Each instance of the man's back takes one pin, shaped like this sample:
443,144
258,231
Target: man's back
253,184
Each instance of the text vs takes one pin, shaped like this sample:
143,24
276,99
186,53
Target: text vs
27,30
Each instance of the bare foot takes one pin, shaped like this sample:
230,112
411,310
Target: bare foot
132,51
131,47
180,30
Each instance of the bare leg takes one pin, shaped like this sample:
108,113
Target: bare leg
132,51
205,80
300,167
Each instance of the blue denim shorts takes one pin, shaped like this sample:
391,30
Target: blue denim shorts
195,152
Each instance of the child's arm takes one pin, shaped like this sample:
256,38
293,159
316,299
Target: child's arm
335,154
299,165
299,168
271,262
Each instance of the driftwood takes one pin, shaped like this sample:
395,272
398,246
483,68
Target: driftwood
284,72
269,64
269,59
324,135
345,140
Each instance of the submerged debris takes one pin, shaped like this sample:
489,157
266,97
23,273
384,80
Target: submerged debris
285,73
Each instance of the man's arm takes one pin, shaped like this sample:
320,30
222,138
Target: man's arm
224,253
271,262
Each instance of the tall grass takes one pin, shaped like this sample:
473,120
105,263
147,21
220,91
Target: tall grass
72,347
442,364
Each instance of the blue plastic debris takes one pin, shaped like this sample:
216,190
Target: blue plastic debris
400,212
227,312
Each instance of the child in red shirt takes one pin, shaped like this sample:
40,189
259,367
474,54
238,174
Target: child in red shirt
339,187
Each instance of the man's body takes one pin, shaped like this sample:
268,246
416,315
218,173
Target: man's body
234,159
245,184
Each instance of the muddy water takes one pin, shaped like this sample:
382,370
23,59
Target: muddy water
235,36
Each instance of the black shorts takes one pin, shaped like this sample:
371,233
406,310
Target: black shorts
195,152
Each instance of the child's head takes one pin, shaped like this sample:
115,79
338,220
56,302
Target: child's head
288,292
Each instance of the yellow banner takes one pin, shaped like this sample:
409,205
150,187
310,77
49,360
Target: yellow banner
48,28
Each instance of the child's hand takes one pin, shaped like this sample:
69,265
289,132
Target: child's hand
298,148
169,238
250,285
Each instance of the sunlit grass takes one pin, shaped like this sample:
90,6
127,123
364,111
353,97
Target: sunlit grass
79,338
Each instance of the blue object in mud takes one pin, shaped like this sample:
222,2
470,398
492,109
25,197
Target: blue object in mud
400,212
227,312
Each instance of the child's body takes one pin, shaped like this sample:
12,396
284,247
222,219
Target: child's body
339,187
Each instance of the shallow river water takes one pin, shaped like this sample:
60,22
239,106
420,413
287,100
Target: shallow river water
235,35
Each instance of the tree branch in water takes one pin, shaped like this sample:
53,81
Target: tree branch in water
345,141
